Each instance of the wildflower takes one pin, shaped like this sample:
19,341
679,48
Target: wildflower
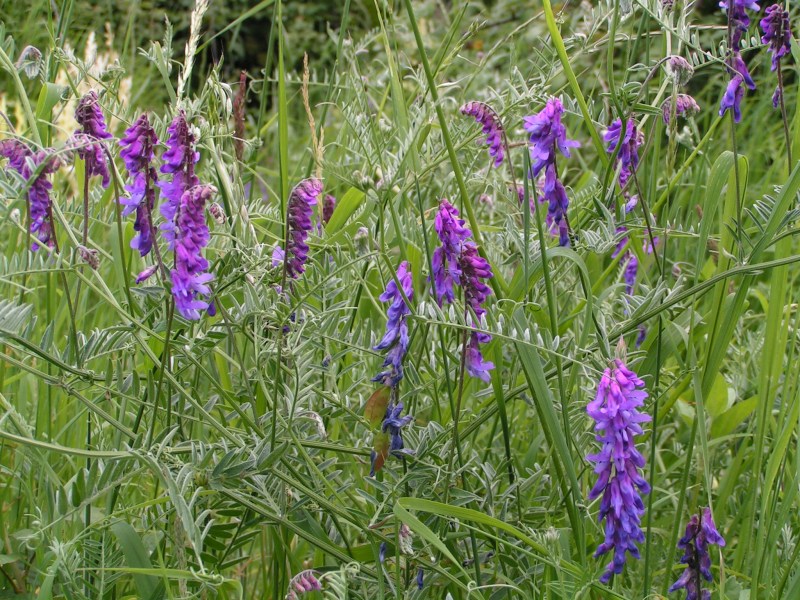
452,234
556,220
641,335
732,99
278,255
301,207
492,127
457,262
685,105
382,552
548,134
628,142
35,167
679,69
777,33
392,425
396,337
420,578
700,532
617,421
179,161
146,274
93,126
217,212
739,18
777,95
303,582
138,148
631,270
90,257
405,539
189,277
328,206
738,65
30,61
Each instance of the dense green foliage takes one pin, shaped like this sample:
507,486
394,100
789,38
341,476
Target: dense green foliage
148,456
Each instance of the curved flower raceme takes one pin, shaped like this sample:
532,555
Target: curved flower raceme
740,74
615,411
700,532
777,33
396,337
457,262
35,167
138,149
492,127
548,136
302,583
301,208
179,159
189,277
87,139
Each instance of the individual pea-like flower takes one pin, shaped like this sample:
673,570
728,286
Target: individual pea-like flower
35,167
92,130
700,532
620,483
190,278
138,150
179,159
392,425
30,61
737,65
486,116
685,106
420,578
777,33
396,336
641,335
302,583
300,210
328,206
732,99
628,143
630,272
147,273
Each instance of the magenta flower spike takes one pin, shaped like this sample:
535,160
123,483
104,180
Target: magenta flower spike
138,150
486,116
87,139
700,532
396,336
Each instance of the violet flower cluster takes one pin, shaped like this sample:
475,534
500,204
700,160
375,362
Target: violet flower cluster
548,136
138,149
628,142
615,411
396,337
35,167
778,37
87,139
300,211
179,161
685,106
486,116
457,262
189,277
739,21
700,532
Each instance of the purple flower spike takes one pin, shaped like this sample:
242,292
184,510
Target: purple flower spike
685,106
556,220
301,208
93,129
777,33
396,337
457,262
618,464
138,148
492,127
35,167
732,100
700,532
548,135
452,234
189,277
628,142
179,161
